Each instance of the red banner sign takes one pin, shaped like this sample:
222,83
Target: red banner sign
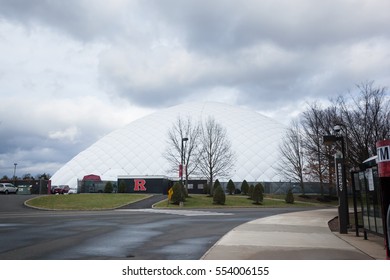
383,160
180,170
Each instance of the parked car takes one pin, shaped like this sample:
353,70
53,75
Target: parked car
72,190
7,188
62,189
52,188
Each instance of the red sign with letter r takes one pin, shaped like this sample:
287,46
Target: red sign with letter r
139,185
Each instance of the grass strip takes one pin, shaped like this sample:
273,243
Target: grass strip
204,201
98,201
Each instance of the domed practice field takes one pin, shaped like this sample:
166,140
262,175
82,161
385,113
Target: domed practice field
138,148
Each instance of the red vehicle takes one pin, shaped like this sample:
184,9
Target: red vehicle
62,189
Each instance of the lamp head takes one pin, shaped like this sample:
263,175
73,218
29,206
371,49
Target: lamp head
337,128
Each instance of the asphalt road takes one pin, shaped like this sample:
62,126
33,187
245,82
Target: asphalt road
115,234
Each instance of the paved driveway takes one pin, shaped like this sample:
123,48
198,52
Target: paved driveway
14,203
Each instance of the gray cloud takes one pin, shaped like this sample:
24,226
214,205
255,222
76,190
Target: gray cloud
302,24
80,19
268,50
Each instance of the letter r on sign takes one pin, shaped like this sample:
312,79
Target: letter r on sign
139,185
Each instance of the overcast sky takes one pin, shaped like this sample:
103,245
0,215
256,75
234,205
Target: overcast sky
72,71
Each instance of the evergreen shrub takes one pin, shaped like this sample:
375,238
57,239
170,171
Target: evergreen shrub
108,188
258,194
122,187
244,187
231,187
250,191
219,196
289,197
177,195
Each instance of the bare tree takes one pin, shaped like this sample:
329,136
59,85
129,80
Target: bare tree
316,122
291,165
366,119
216,157
183,128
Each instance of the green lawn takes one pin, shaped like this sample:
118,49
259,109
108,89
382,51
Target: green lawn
204,201
110,201
98,201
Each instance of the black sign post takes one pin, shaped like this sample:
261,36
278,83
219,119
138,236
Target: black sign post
342,194
341,181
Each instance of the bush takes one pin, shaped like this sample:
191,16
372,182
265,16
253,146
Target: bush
250,191
122,187
212,189
258,194
108,188
231,187
177,195
216,184
219,196
289,197
245,187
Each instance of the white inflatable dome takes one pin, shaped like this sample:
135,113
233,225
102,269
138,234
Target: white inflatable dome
138,148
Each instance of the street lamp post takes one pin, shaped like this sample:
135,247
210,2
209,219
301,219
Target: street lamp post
341,178
184,139
15,164
181,169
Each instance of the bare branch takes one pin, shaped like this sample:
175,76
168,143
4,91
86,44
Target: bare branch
216,156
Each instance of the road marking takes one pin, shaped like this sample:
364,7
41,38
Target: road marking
10,225
188,213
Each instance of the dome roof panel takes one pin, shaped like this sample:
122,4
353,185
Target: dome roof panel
138,148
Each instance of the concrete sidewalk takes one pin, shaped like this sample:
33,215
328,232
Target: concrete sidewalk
294,236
